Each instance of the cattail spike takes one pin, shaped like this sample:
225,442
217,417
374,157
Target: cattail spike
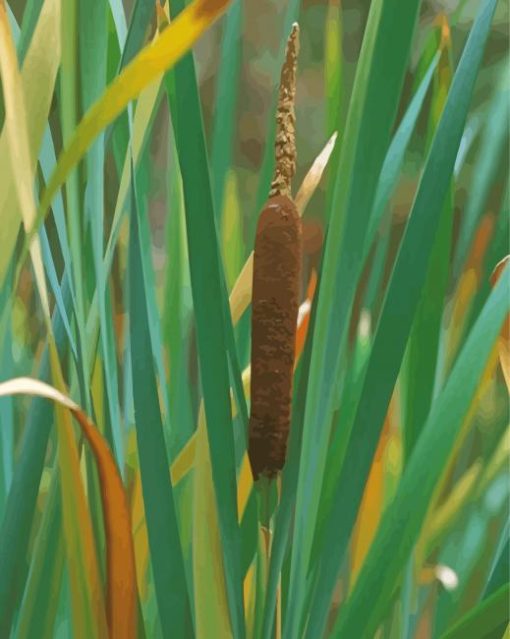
285,143
275,294
275,304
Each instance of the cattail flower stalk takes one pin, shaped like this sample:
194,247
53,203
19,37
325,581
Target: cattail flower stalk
276,288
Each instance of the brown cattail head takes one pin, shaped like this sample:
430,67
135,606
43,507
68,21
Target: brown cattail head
275,294
275,304
285,143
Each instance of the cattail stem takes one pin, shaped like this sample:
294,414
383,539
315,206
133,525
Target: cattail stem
264,499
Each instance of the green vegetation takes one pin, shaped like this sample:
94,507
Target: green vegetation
136,151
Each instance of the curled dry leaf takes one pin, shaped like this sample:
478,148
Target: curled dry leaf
121,586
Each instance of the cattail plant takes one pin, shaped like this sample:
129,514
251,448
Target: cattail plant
276,286
390,518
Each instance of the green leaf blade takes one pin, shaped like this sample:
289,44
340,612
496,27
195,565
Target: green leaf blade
397,315
402,522
166,554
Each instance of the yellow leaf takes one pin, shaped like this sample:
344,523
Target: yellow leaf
240,296
140,536
249,588
37,81
184,461
372,504
231,229
244,486
150,63
18,144
211,607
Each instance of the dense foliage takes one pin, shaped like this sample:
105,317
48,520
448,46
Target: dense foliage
132,173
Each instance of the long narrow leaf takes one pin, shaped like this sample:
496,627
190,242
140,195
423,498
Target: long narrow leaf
372,110
208,289
402,522
225,105
166,554
398,311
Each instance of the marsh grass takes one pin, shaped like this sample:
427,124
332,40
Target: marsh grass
128,222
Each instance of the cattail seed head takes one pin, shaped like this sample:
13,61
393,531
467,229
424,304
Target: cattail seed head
275,305
275,293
